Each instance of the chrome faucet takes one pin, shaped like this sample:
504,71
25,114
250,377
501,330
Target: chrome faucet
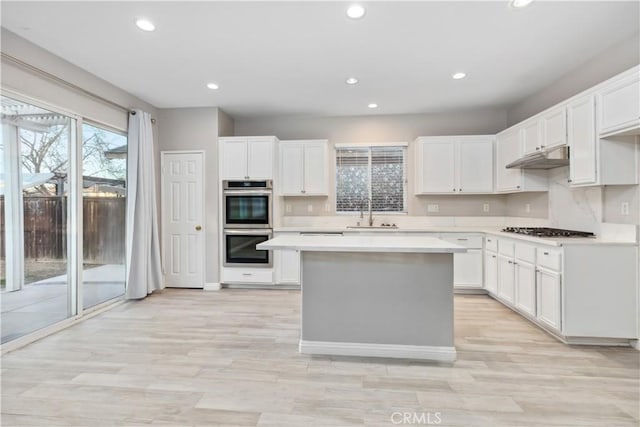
370,209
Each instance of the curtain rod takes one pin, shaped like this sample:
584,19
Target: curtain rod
38,71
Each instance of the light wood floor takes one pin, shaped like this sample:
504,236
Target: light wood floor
187,357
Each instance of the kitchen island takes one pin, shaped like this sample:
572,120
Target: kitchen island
379,296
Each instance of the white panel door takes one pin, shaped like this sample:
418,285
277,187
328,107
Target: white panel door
291,169
233,158
619,104
475,166
506,288
260,158
287,266
582,140
183,215
437,166
315,168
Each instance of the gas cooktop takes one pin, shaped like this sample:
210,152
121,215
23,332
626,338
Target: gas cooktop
547,232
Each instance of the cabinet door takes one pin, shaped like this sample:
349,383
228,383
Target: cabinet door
619,105
436,168
491,272
233,159
287,268
582,140
549,299
315,168
475,166
531,137
467,269
506,286
260,158
525,281
507,150
554,128
291,169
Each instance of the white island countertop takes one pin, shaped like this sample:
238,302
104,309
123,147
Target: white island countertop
354,243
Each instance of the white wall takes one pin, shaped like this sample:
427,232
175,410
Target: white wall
614,60
28,83
197,129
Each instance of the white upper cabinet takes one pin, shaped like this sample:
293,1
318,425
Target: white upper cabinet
246,157
303,168
594,160
582,137
554,128
619,104
531,135
508,149
454,165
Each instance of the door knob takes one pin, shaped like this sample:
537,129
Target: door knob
198,227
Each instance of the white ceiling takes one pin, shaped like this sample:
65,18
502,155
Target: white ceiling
293,57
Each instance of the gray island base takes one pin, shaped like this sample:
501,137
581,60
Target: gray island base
375,296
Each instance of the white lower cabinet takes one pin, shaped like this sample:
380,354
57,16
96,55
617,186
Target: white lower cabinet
525,287
287,267
258,276
467,267
506,279
491,272
549,298
286,264
582,293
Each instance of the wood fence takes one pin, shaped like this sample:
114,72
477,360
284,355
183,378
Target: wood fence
45,231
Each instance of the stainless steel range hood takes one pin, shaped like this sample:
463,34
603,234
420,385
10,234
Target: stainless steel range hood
546,159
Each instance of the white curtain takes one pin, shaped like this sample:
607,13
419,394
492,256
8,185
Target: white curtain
143,244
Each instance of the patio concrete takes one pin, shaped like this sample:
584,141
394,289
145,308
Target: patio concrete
45,302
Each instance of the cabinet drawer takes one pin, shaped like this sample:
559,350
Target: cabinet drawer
550,258
506,248
525,252
471,242
247,275
492,244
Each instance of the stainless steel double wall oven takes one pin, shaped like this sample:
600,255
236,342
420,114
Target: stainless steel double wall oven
248,220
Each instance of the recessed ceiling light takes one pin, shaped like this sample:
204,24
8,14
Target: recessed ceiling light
373,105
355,11
458,76
145,25
351,81
213,86
519,4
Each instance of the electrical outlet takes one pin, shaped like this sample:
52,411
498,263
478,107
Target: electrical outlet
624,208
287,207
309,208
527,207
327,207
433,207
485,207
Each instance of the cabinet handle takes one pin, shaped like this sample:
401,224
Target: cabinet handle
537,148
510,262
454,190
518,186
545,253
246,177
460,189
303,191
493,256
568,180
247,274
515,263
463,240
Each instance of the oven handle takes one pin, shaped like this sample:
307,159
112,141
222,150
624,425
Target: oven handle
247,192
249,232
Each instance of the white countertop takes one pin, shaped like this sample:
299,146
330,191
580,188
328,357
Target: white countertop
368,243
550,241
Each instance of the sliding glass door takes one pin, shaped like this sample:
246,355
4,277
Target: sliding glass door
36,286
62,216
104,164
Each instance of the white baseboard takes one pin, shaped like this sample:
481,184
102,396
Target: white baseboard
212,287
437,353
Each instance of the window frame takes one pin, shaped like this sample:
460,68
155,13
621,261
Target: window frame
370,146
